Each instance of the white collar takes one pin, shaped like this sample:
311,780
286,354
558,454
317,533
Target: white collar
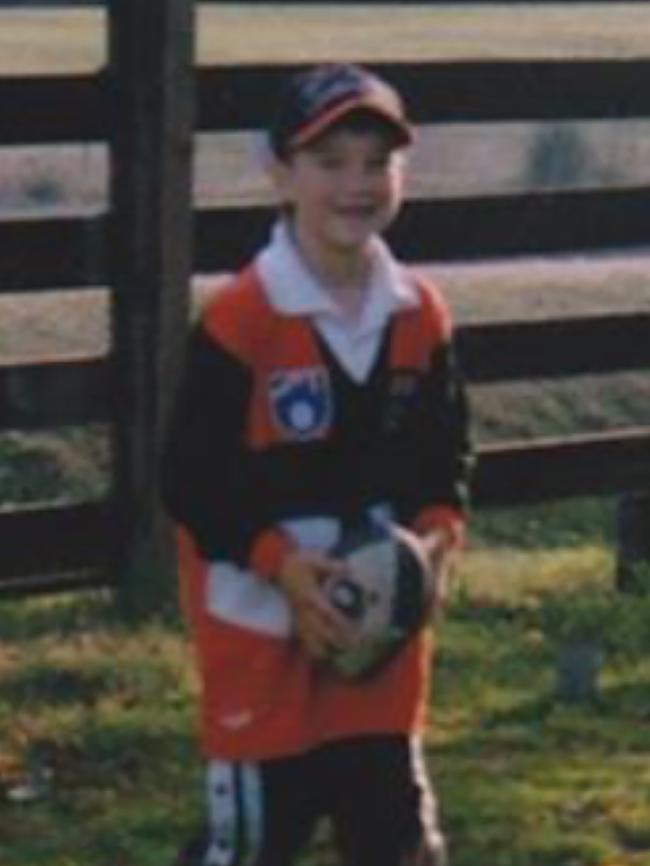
293,289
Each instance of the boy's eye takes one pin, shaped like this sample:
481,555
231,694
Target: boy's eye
333,163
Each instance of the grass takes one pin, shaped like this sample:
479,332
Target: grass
99,717
531,780
63,466
37,41
73,40
403,31
102,715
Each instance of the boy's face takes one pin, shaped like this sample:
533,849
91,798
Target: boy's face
344,187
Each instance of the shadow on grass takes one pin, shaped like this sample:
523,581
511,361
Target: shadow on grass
54,686
42,685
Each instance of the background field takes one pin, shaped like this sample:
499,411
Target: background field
96,715
72,40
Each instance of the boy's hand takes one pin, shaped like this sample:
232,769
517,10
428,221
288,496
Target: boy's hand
441,558
320,627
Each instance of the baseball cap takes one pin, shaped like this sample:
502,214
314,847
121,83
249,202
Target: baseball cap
318,98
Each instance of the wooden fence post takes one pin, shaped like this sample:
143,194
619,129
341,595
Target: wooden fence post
151,81
633,530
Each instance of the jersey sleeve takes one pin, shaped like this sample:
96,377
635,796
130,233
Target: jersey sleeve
203,467
440,458
444,469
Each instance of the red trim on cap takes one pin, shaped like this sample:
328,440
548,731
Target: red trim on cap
362,101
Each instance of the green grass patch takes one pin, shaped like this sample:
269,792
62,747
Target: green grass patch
99,718
64,465
549,525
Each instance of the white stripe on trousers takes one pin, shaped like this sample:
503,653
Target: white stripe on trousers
235,813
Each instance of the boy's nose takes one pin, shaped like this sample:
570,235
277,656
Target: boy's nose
358,180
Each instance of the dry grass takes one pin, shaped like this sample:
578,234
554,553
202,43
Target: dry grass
536,288
440,31
63,40
58,323
73,40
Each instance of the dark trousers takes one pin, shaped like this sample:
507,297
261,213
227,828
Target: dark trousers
374,790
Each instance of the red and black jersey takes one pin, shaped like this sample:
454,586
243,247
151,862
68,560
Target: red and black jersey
270,431
270,427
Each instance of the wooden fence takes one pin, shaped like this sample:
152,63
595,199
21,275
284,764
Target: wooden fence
146,105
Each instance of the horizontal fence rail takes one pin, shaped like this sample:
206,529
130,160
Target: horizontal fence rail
65,108
54,109
60,547
552,348
462,228
70,251
595,464
59,393
451,92
52,252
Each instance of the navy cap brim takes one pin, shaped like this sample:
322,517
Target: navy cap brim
366,102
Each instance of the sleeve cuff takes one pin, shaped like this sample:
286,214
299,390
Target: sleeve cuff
268,551
451,521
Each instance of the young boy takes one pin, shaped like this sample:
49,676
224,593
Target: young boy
320,389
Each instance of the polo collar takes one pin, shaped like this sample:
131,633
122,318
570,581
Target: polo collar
294,290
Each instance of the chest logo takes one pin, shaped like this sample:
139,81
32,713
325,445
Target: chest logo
301,402
403,390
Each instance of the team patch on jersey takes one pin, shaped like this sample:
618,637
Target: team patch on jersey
301,402
403,389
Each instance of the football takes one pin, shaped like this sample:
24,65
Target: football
385,591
